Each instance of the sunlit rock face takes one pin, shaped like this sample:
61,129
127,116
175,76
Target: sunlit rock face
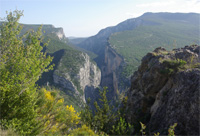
88,76
60,33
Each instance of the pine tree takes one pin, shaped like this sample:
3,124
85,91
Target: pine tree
103,117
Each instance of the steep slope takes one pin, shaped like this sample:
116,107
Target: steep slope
133,38
165,90
74,72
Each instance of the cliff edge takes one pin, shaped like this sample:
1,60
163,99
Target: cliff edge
165,90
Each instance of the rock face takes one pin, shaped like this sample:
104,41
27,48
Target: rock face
111,69
88,75
60,33
165,90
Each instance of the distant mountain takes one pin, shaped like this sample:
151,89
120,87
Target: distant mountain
173,30
121,47
76,40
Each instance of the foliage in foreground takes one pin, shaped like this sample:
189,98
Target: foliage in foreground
55,118
21,65
82,131
25,108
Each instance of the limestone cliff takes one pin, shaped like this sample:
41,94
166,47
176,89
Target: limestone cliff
113,62
75,79
60,33
165,90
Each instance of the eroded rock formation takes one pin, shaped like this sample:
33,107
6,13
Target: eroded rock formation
165,90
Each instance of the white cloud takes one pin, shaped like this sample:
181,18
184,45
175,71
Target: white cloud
156,4
170,6
194,1
183,6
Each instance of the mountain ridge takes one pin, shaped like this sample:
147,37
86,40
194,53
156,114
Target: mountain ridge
99,42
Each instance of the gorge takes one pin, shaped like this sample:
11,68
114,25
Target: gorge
143,70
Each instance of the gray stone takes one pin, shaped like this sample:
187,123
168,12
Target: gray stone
89,75
160,100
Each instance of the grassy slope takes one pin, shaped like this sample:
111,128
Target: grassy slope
133,45
55,44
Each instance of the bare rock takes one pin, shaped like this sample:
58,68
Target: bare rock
165,90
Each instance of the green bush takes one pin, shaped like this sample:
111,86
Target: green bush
83,131
172,66
122,128
21,64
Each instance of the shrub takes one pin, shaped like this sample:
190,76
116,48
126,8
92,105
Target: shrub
54,116
83,131
171,130
172,66
122,128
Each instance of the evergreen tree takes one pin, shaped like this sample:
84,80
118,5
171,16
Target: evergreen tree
105,120
104,116
86,115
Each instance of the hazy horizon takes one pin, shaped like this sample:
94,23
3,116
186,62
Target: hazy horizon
84,18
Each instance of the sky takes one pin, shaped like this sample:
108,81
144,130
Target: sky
83,18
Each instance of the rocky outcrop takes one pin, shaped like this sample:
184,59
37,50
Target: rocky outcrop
165,90
60,33
76,83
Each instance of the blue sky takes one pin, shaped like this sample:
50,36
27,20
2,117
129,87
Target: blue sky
82,18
